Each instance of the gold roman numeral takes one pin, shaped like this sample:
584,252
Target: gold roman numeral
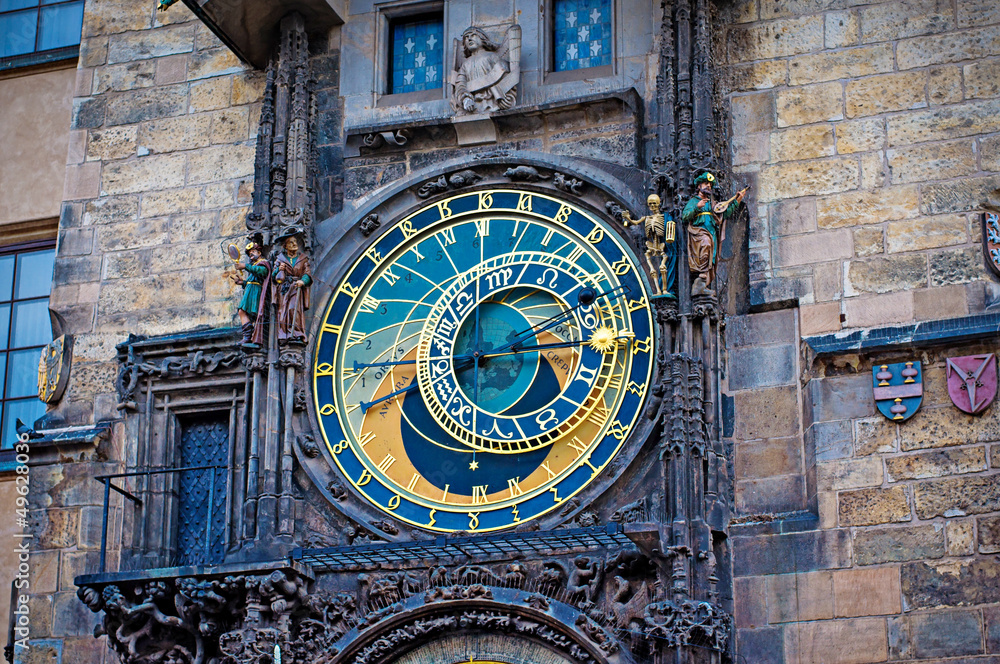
479,494
385,464
514,486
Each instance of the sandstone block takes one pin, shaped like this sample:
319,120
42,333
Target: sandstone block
82,181
76,241
944,85
76,270
989,534
219,195
114,16
232,221
898,20
117,78
870,507
960,538
953,121
751,148
887,274
54,528
840,398
873,170
868,241
964,583
828,441
994,456
751,601
230,125
194,227
813,247
887,545
44,573
936,464
860,135
858,208
132,235
128,296
185,257
111,210
210,95
982,79
767,458
932,162
766,643
111,143
819,318
813,178
874,435
181,133
947,426
94,51
770,495
833,65
171,69
848,474
125,264
926,233
795,597
958,266
809,142
248,87
743,78
214,62
791,552
879,310
841,29
753,112
148,44
769,327
766,413
793,216
171,201
822,102
945,634
866,592
989,153
143,174
223,162
765,366
775,39
826,506
147,104
973,44
936,303
71,617
957,496
855,641
889,92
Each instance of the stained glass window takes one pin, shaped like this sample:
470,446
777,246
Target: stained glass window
417,54
37,26
582,34
25,279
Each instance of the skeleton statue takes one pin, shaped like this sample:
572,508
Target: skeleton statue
659,232
486,73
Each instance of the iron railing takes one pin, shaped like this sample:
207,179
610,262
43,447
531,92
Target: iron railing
108,480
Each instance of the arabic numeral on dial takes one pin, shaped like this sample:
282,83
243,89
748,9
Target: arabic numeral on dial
546,418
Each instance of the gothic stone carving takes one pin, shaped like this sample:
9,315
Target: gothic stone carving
486,72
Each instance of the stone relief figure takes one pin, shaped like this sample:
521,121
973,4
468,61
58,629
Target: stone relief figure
292,281
706,220
255,292
659,232
486,73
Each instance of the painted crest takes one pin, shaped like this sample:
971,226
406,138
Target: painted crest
53,369
898,389
991,240
972,382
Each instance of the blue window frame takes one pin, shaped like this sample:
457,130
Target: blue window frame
25,280
33,31
582,34
416,54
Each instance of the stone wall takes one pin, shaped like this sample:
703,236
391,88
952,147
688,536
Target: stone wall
873,135
160,168
857,539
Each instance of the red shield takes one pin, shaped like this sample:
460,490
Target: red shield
972,382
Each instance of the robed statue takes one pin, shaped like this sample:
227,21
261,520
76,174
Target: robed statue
486,73
292,280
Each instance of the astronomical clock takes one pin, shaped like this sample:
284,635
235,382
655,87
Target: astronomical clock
483,360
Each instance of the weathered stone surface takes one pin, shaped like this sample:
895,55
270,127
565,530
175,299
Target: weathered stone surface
809,142
960,537
170,134
753,112
926,233
822,102
170,201
145,233
111,143
944,634
150,43
221,162
54,528
869,507
887,274
869,241
954,121
859,208
944,85
855,641
989,534
76,270
116,78
230,125
991,617
813,248
106,18
849,63
819,318
874,435
936,464
794,597
848,474
215,62
860,135
70,616
143,174
766,643
947,426
950,47
111,210
898,20
817,177
932,162
775,39
964,583
766,458
791,553
882,94
982,79
210,95
248,87
756,76
147,104
840,398
888,545
770,495
770,327
841,29
866,592
767,413
793,217
957,497
958,266
750,598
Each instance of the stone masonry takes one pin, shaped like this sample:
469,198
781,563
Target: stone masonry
872,130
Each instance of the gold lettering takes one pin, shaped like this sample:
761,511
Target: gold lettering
514,486
485,200
365,478
394,502
385,464
444,209
413,481
479,494
524,204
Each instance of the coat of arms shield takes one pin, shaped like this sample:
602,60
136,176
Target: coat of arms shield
898,389
972,382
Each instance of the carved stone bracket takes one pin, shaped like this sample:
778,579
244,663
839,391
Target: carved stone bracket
688,623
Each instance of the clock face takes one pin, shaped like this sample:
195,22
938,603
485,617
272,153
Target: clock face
483,360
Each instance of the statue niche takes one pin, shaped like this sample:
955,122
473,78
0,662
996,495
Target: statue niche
486,73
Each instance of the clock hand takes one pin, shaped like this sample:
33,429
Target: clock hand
558,344
365,405
358,366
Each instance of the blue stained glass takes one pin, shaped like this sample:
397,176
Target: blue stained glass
417,55
582,35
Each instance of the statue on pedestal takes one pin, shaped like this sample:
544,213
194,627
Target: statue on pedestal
292,281
706,227
659,232
255,292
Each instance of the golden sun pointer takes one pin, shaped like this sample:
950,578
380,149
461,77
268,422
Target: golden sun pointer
603,339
